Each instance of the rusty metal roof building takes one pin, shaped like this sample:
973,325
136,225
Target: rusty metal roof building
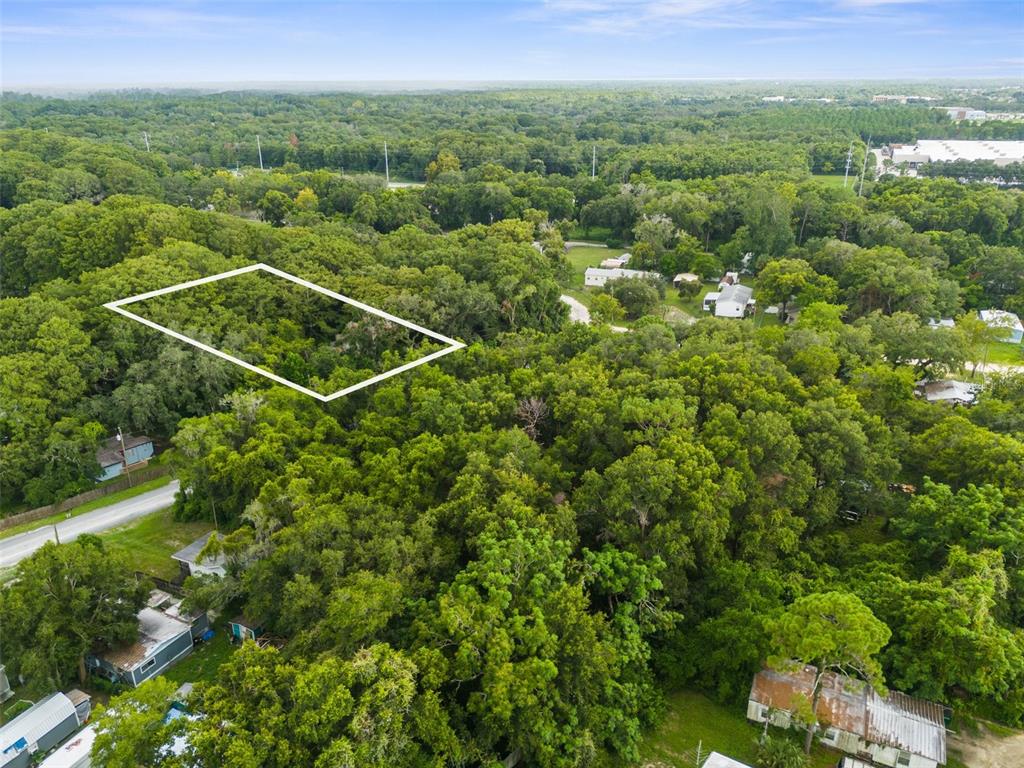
895,720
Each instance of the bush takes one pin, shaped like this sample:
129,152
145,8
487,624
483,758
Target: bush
637,297
780,752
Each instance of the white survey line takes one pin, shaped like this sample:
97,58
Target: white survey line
118,306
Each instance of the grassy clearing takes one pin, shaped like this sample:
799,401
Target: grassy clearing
836,180
692,719
202,665
89,506
1005,353
583,256
150,541
594,234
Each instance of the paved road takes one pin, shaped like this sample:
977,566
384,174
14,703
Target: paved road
16,548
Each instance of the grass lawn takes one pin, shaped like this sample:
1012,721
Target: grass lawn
594,234
150,541
836,180
692,719
1005,353
89,506
582,256
202,665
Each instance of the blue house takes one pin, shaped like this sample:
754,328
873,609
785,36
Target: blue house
166,635
39,729
113,460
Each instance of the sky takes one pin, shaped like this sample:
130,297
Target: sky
81,43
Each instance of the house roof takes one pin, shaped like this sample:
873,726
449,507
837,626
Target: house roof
948,390
741,294
718,760
895,720
74,752
614,274
34,723
1000,318
191,552
245,621
109,451
686,277
155,629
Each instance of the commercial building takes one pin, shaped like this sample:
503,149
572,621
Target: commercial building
948,150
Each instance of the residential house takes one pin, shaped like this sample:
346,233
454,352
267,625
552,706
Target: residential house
38,729
191,565
718,760
166,634
1007,322
948,391
941,322
114,458
893,730
730,278
732,301
596,277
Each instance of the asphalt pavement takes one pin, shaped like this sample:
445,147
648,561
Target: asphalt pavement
13,549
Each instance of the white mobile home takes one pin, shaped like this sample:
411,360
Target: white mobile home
595,277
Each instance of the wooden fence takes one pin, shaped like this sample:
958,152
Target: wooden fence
122,483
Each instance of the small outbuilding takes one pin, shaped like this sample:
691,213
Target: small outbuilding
192,565
948,391
718,760
685,278
243,628
37,730
1007,322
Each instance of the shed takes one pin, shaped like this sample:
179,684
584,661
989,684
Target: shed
734,301
685,277
188,557
718,760
37,730
243,628
941,322
1007,322
114,458
948,391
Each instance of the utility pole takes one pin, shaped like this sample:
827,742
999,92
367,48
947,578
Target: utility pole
387,170
145,138
124,458
849,159
593,163
259,150
864,167
56,536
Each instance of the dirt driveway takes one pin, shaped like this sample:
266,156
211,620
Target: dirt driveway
987,750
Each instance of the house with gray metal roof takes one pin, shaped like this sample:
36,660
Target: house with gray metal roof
892,730
192,565
37,730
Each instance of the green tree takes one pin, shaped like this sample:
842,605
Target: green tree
132,730
64,601
835,633
274,207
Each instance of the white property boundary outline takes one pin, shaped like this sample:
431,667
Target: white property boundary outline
453,345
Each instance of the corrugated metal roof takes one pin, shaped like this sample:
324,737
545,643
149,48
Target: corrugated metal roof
913,725
75,753
895,720
37,721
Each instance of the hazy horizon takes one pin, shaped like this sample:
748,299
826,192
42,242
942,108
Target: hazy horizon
173,43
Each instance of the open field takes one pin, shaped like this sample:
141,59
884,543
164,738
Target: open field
582,256
150,542
693,720
1004,352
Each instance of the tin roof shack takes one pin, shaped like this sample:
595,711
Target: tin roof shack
895,730
37,730
166,634
190,563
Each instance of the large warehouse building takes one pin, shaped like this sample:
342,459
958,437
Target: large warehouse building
947,150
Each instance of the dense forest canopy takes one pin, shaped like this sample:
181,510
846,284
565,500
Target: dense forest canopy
520,547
